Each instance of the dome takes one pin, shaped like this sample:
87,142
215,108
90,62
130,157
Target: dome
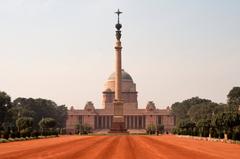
125,76
150,106
127,83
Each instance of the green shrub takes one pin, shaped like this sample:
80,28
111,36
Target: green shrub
35,133
17,139
3,140
6,135
47,123
11,139
151,129
54,132
63,131
160,128
25,132
41,137
83,129
13,134
175,131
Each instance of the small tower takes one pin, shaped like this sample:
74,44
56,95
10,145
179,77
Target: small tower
118,125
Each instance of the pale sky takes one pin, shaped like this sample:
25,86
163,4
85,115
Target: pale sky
63,50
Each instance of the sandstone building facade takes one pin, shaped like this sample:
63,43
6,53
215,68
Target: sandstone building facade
135,118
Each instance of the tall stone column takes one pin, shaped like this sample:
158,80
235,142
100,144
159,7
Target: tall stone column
118,69
118,125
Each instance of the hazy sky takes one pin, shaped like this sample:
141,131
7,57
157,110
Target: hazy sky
174,49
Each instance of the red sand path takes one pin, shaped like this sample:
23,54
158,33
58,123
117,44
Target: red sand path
119,147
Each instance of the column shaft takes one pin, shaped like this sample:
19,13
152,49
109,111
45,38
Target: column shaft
118,77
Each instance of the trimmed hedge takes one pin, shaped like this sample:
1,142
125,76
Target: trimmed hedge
2,140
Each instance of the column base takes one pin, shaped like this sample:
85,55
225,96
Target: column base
118,125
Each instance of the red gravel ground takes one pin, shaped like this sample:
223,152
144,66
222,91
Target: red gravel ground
119,147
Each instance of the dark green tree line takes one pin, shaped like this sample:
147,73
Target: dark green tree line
203,117
23,115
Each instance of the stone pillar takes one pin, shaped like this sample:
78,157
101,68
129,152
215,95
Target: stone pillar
99,122
107,121
130,122
144,122
134,125
104,122
118,77
110,121
118,124
137,122
127,122
95,122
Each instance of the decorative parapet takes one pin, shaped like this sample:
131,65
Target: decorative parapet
89,107
151,106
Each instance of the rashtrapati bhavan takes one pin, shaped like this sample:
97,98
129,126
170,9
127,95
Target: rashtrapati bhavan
120,110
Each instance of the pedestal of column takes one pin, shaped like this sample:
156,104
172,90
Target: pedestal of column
118,124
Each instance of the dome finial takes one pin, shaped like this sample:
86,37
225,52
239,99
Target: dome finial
118,25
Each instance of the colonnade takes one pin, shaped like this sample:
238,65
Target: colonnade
135,121
103,122
131,122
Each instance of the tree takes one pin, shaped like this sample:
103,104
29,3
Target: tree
231,120
234,99
204,111
186,126
41,108
203,126
180,109
225,122
5,104
236,133
218,123
19,111
38,109
15,115
24,123
61,116
47,123
204,117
